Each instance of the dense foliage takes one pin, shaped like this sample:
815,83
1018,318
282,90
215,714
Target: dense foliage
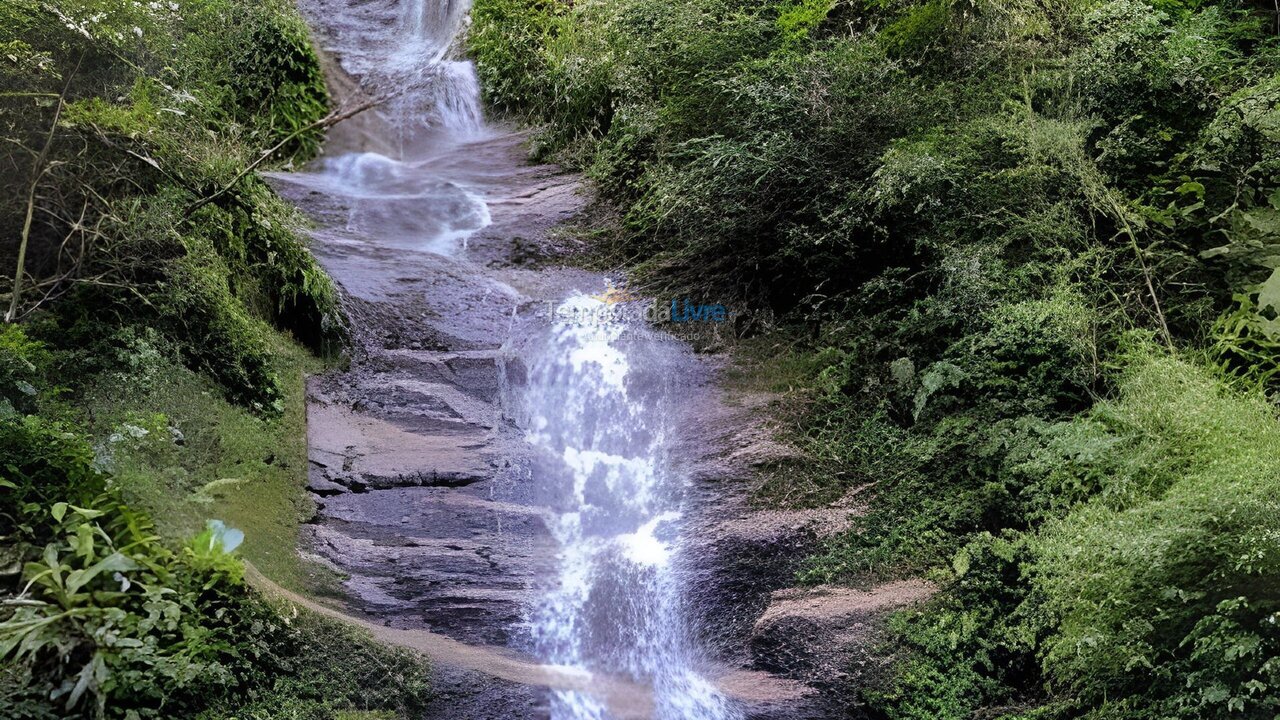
111,621
118,119
152,283
1026,257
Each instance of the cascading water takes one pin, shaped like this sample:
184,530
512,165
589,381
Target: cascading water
597,401
430,106
597,407
431,23
451,101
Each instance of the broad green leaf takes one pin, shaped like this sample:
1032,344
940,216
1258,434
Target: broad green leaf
91,676
115,562
53,564
87,513
1191,188
83,541
1269,293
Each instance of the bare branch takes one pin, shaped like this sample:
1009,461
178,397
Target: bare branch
37,172
327,121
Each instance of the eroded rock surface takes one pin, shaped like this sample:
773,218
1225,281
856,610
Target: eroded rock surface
424,503
820,642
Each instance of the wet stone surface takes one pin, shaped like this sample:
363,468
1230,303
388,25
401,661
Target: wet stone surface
440,237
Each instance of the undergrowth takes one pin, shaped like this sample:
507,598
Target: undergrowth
113,621
159,323
1024,260
118,120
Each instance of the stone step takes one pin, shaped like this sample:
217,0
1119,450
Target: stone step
361,451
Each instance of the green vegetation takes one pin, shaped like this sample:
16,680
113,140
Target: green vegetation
162,314
1026,260
119,120
180,450
113,621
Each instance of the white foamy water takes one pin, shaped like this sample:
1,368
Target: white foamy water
399,194
596,401
444,92
596,406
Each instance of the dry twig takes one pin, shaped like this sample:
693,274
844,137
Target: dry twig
37,171
325,122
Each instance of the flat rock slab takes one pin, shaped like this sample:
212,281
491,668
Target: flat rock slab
361,451
832,605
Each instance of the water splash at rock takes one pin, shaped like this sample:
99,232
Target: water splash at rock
596,406
395,188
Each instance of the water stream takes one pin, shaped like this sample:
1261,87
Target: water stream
597,407
595,398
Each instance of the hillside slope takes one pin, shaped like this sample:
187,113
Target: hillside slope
1023,257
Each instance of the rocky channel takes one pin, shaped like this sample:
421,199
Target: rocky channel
425,501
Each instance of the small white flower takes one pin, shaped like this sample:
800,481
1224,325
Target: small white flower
137,31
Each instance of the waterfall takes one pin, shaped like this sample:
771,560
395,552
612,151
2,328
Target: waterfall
449,98
595,400
596,407
423,19
397,193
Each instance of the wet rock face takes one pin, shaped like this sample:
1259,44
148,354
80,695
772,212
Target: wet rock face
755,619
747,559
422,482
825,641
826,636
738,562
418,474
423,487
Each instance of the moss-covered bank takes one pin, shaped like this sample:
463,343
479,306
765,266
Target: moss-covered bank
163,309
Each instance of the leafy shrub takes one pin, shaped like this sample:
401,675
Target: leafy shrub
798,20
160,105
1149,591
273,274
219,336
107,612
108,620
966,477
321,669
279,90
1155,81
969,648
919,29
1033,358
1163,590
41,463
508,42
1246,342
22,362
94,640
